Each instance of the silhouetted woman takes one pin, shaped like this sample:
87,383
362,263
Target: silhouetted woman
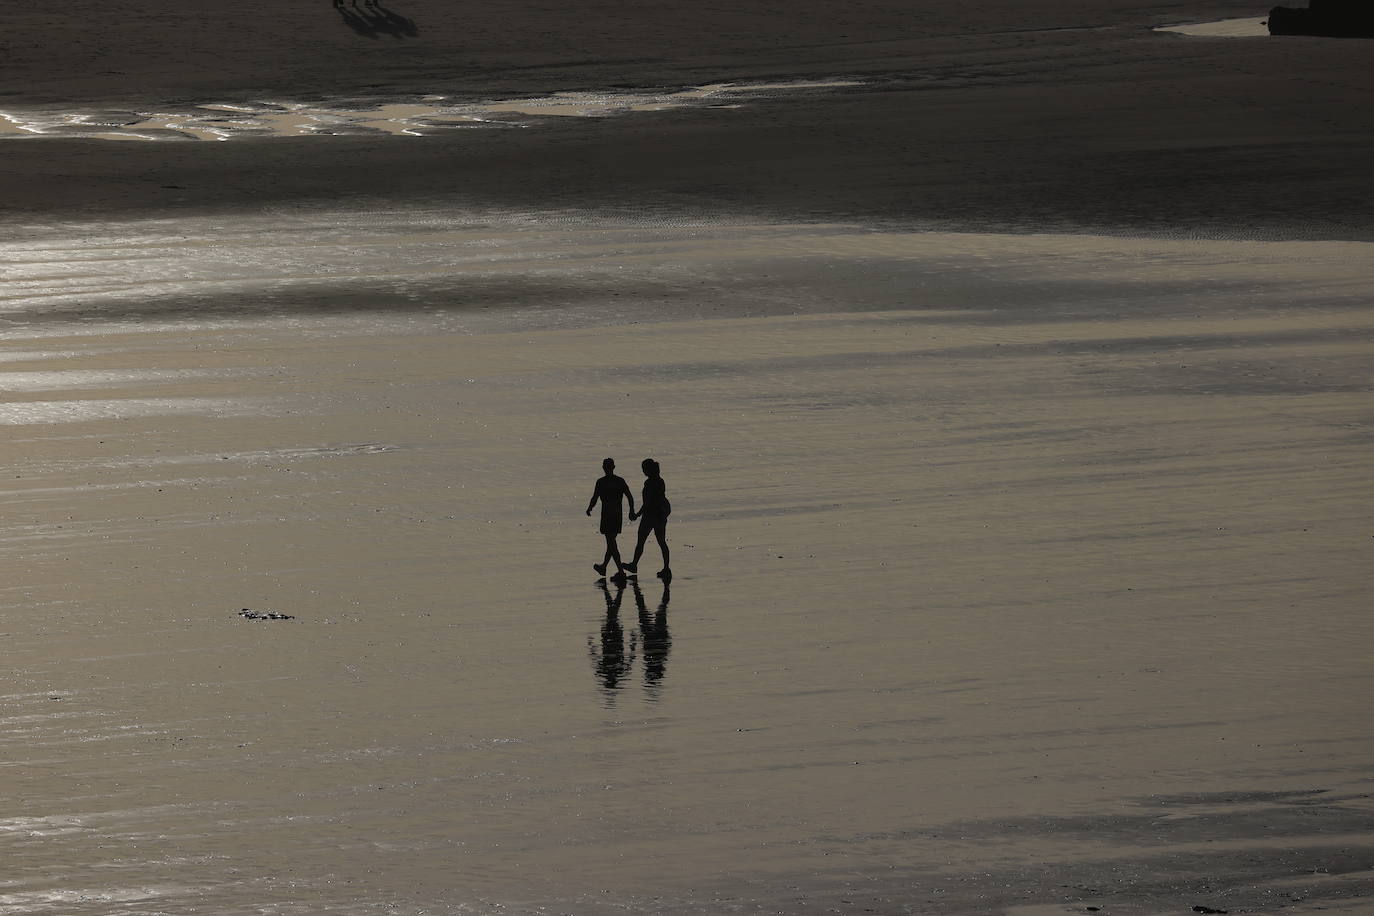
609,491
653,516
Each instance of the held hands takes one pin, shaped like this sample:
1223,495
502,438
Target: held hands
634,515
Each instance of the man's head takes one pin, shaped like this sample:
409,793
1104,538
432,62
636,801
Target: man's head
608,465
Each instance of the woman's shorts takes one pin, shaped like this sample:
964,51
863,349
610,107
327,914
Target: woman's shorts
658,524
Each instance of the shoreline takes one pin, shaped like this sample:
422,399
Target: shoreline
1018,124
156,50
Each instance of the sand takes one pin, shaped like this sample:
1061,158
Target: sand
1021,500
1000,116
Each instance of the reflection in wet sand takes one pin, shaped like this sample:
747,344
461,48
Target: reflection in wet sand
41,413
613,656
612,660
657,643
62,379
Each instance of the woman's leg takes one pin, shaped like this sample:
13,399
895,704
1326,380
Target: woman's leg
661,534
644,529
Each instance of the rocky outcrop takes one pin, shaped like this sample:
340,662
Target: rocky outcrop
1332,18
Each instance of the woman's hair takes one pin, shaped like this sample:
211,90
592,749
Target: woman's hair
650,466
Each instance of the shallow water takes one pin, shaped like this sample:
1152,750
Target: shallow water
219,121
1225,28
1010,571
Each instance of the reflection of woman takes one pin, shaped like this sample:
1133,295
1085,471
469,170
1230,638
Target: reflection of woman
653,516
654,630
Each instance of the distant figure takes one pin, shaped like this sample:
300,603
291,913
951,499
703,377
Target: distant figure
390,21
354,19
653,517
372,20
609,491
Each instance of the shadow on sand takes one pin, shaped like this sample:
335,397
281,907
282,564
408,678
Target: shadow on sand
371,19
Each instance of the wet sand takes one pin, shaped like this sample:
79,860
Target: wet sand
1014,407
1021,579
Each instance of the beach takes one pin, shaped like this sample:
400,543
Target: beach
1009,372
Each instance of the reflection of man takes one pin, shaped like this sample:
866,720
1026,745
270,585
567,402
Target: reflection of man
654,630
612,663
610,489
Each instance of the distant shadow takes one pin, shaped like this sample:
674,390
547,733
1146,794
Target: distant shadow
656,643
612,660
371,19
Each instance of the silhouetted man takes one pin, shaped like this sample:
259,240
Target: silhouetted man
609,491
653,517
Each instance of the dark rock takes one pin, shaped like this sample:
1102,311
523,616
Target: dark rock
1208,909
1328,18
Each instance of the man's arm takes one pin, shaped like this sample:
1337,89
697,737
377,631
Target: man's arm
591,505
625,488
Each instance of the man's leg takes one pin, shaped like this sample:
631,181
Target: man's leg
610,549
